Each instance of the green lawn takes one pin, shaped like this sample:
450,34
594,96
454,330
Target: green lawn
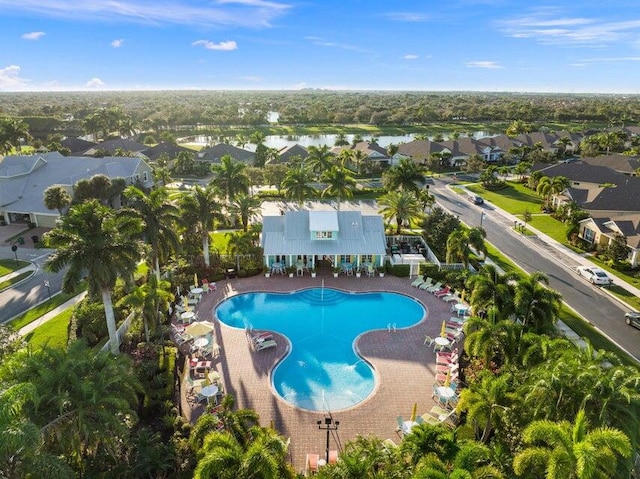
36,312
53,333
550,226
220,241
9,266
515,198
16,279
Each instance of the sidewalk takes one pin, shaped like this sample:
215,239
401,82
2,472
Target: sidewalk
51,314
18,272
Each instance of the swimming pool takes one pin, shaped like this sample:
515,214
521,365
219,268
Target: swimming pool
322,371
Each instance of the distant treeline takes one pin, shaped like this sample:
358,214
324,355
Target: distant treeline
156,110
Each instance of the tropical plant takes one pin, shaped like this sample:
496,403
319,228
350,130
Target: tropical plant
100,242
492,339
160,217
150,299
319,160
12,133
536,306
56,198
406,175
199,211
296,184
229,178
339,184
401,206
247,207
565,451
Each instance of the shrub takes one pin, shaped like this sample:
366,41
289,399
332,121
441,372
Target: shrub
401,270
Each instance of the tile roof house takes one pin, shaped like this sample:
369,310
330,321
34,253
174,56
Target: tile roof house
117,144
373,151
627,165
601,228
23,180
169,149
76,145
419,150
334,236
215,153
288,152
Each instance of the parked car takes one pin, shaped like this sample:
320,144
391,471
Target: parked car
594,275
632,318
475,199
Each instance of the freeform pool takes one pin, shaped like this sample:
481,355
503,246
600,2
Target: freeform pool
322,371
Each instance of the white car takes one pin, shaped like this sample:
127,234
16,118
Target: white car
594,275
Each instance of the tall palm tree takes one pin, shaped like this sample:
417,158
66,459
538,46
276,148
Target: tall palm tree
95,240
149,299
489,288
492,339
320,159
401,206
230,178
571,451
339,184
406,175
536,305
199,210
247,207
160,218
547,187
297,184
162,175
458,249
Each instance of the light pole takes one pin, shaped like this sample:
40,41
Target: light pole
14,248
48,286
329,425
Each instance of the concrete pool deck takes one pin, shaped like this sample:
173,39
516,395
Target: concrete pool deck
405,366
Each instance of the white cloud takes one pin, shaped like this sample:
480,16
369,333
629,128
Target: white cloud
410,57
547,27
483,64
33,35
10,78
246,13
94,83
324,43
411,17
117,43
224,46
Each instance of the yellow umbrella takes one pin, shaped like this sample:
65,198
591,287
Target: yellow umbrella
207,380
443,331
195,279
200,328
447,381
185,303
414,412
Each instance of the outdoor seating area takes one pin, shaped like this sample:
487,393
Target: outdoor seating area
314,462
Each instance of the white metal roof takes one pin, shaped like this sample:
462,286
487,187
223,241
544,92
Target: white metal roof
323,221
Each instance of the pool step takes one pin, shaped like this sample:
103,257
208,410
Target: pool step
317,297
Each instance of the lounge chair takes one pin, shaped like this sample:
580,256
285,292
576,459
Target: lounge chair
429,419
427,284
442,292
311,465
417,282
269,343
333,456
433,288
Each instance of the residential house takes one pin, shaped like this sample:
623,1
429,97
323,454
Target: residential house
215,153
112,146
23,180
76,145
316,238
627,165
601,229
170,150
373,151
286,154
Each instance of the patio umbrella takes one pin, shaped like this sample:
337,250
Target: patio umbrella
443,331
185,303
447,381
195,279
201,328
414,412
207,380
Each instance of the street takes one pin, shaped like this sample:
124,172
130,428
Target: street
532,254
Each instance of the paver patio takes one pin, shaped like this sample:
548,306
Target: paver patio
403,364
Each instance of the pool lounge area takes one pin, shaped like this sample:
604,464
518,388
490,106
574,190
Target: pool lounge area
404,365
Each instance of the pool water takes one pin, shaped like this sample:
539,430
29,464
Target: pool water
322,371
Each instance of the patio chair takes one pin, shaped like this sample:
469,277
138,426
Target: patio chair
400,426
439,412
449,354
370,271
428,284
269,343
434,287
429,419
182,338
311,464
442,292
417,282
428,340
333,456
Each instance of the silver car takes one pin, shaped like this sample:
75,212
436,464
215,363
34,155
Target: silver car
594,275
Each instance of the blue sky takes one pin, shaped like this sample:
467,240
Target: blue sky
481,45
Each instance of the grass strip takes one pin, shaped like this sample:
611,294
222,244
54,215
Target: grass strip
10,265
36,312
53,333
16,279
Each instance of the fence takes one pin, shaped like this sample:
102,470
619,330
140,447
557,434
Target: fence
122,330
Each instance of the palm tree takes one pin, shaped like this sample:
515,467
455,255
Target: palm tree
458,247
56,198
472,461
406,175
149,300
161,174
296,184
486,402
247,207
230,178
339,183
100,242
492,339
548,187
536,305
200,210
426,439
160,217
566,451
491,289
320,159
12,133
401,206
22,451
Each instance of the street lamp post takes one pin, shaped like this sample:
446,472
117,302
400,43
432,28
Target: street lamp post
329,425
14,248
48,286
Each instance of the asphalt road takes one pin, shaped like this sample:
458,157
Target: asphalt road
32,291
532,254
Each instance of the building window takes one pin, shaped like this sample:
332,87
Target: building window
367,258
589,235
345,258
322,235
145,176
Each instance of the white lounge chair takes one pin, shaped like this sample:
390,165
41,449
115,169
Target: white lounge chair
427,284
417,282
270,343
433,288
